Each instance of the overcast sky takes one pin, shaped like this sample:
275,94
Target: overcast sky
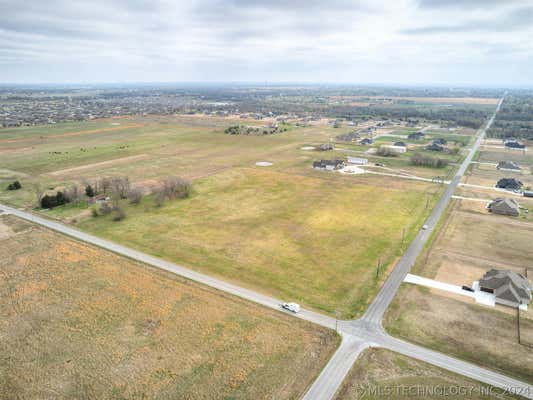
481,42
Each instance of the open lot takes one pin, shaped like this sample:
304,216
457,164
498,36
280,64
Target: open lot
81,322
383,374
479,334
287,230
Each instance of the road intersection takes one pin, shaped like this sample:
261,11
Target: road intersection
357,335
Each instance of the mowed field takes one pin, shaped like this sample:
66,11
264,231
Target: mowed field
383,374
287,230
79,322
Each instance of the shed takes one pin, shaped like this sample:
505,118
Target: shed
357,160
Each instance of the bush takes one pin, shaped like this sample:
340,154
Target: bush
105,208
94,212
426,161
49,201
14,186
118,213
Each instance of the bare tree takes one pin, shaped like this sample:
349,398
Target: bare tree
73,194
135,195
121,186
175,187
105,184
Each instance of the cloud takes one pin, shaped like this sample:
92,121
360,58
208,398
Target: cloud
219,40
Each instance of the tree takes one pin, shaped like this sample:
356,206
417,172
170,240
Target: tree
89,191
135,196
51,201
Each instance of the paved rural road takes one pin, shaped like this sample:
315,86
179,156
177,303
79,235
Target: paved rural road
357,334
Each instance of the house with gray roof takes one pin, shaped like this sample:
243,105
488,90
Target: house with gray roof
329,165
508,166
509,288
504,206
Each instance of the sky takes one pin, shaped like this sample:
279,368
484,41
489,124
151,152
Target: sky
441,42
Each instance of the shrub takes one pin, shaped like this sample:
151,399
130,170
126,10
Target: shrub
94,211
14,186
105,208
118,213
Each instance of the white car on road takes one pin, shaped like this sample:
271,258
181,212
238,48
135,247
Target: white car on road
292,307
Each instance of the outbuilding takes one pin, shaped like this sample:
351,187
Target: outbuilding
357,160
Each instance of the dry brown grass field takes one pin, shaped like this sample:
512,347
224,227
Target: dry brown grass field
80,322
383,374
479,334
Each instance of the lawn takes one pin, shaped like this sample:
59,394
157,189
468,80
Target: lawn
313,239
383,374
79,322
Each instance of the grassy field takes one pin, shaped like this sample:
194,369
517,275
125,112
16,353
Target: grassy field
383,374
287,230
313,239
79,322
479,334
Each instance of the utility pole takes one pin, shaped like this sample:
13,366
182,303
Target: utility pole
379,265
403,238
336,321
518,321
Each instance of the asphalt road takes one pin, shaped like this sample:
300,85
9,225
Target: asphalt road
357,334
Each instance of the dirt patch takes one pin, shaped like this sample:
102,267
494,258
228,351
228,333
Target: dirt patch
99,164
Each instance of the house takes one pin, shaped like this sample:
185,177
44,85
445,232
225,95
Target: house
416,135
401,144
509,288
440,141
508,166
434,147
357,160
514,145
504,206
366,141
329,165
394,149
325,147
511,184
